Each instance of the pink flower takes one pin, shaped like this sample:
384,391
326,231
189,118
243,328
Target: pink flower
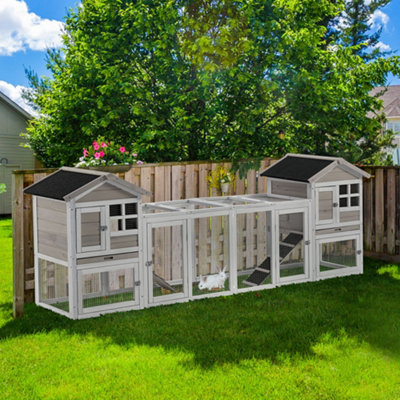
139,162
122,149
96,146
103,144
96,155
101,154
134,155
85,152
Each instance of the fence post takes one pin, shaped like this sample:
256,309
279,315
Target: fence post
18,244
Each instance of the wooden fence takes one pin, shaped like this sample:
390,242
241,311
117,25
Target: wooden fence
382,213
174,181
166,181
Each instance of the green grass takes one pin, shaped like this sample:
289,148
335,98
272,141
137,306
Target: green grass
333,339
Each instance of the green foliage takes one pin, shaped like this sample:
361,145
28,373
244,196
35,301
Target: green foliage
190,80
103,152
333,339
2,188
356,28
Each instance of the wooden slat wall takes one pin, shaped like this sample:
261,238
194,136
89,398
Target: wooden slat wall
183,180
381,217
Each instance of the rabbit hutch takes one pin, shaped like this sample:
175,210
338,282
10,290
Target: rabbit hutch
98,249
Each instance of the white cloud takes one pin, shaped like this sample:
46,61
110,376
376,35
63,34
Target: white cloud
15,94
379,18
21,29
382,46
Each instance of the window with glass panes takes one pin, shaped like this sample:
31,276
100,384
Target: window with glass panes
349,195
123,218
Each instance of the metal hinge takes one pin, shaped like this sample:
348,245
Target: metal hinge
359,251
335,204
103,228
307,242
149,263
137,283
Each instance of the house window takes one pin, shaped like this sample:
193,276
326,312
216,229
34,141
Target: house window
394,126
349,195
123,217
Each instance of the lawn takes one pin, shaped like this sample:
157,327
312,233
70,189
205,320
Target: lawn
334,339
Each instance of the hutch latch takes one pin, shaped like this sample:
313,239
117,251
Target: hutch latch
149,263
307,242
103,228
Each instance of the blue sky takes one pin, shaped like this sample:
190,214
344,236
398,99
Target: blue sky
27,27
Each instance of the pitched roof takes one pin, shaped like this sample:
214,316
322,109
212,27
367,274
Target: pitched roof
296,168
391,99
67,183
15,106
303,168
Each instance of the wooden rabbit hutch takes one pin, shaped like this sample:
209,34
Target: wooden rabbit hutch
98,249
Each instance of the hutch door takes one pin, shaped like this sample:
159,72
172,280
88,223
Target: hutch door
90,229
293,246
167,261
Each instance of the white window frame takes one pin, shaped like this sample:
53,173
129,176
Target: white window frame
123,217
348,196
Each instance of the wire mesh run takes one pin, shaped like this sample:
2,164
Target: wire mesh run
109,287
53,284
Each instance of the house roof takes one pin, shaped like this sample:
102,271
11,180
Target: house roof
15,106
391,99
307,168
67,183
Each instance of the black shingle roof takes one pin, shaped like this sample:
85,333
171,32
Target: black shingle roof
296,168
59,184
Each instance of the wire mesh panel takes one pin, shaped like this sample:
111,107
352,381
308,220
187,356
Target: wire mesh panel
338,255
107,287
253,232
211,255
168,260
291,244
53,284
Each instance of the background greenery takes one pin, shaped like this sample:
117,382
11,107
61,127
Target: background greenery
195,79
333,339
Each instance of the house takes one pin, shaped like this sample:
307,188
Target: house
98,249
13,121
391,107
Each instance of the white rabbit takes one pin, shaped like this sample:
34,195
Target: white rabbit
216,281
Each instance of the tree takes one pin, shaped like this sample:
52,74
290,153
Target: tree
187,80
356,28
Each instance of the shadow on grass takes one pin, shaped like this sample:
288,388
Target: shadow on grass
263,325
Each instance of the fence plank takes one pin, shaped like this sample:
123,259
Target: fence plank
145,183
391,211
28,238
368,213
379,210
18,244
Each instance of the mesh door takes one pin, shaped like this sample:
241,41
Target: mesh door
108,287
53,284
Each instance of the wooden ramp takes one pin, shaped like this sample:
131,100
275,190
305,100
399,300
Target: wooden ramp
263,271
162,283
260,274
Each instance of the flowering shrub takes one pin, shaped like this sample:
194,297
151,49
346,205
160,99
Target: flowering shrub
103,153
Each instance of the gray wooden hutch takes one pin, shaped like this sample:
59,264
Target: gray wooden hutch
98,249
